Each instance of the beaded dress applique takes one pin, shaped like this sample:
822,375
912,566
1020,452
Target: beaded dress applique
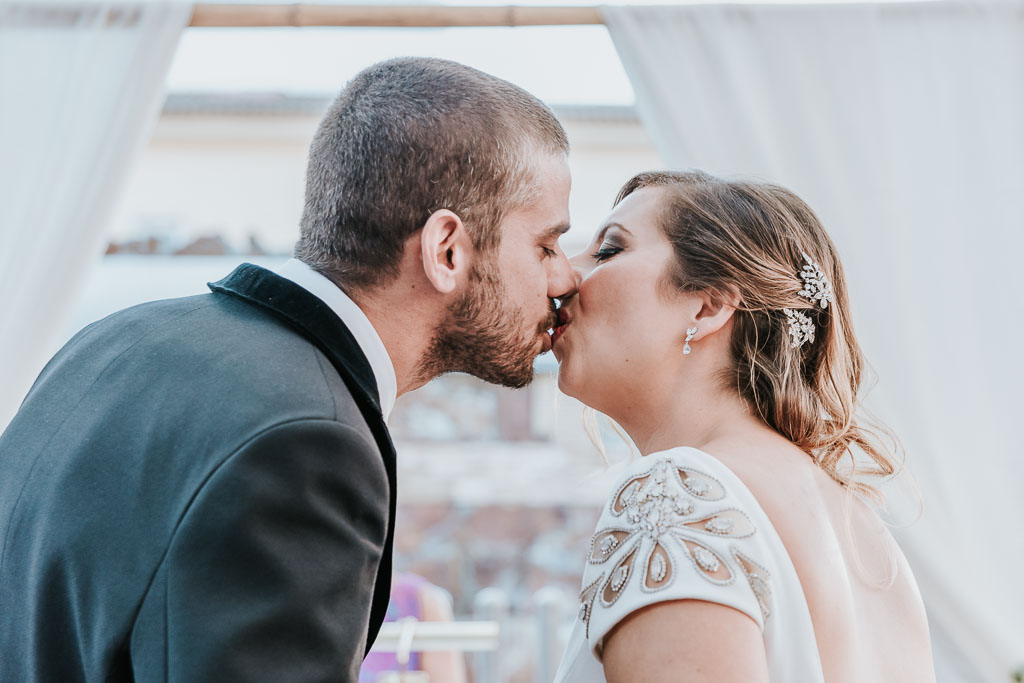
665,522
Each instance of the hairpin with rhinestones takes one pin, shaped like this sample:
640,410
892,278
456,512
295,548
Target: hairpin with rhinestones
801,328
816,288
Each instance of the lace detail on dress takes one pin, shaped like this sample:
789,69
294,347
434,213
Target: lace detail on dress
663,505
759,580
587,596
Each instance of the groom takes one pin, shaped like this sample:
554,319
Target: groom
203,489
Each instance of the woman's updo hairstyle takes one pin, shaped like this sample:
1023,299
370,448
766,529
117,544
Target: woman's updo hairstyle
749,239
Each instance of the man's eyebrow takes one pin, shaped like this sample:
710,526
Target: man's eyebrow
555,232
609,226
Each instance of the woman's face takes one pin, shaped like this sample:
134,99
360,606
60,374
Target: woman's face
625,327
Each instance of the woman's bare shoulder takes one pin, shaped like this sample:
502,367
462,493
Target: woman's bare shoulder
786,481
803,503
856,580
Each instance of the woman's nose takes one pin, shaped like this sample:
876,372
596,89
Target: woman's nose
565,281
580,264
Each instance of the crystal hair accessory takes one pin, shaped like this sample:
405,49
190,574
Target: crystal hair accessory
816,288
801,328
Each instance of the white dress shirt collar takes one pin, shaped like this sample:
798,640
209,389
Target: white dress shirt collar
355,320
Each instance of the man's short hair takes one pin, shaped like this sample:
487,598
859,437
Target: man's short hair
408,137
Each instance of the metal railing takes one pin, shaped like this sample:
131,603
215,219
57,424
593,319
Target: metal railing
435,636
500,644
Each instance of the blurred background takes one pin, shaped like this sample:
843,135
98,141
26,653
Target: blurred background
141,157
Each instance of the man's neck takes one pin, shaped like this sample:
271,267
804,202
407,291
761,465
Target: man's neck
398,316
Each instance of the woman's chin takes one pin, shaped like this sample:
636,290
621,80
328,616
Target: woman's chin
565,384
573,378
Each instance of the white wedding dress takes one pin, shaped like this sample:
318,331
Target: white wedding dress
682,525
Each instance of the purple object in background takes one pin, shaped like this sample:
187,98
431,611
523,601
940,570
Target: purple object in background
405,602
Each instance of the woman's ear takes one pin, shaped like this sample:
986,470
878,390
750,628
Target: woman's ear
445,250
715,311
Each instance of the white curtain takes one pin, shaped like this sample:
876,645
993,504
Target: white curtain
903,126
80,86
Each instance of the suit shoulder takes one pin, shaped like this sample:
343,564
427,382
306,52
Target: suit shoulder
215,354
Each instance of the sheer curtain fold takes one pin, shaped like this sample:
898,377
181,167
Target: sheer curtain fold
901,124
82,85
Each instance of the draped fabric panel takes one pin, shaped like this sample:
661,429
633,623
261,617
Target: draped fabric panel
903,126
80,87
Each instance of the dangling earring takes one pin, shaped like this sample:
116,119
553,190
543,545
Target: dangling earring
689,335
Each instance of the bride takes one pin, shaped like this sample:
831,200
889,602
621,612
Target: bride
712,323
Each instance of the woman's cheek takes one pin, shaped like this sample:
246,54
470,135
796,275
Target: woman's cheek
597,288
599,297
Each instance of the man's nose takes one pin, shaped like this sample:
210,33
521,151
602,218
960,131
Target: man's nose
564,281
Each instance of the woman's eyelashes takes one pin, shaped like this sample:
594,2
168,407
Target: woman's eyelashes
605,252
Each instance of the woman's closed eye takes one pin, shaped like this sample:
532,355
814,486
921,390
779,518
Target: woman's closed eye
605,252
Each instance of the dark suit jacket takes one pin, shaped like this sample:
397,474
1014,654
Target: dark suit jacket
199,489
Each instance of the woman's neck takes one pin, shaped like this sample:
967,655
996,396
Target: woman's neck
700,414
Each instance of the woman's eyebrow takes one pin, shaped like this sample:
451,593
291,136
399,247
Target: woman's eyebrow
609,226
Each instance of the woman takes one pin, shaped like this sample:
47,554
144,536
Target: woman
712,323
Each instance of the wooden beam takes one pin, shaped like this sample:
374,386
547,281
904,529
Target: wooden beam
388,16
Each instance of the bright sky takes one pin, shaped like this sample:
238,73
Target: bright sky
561,64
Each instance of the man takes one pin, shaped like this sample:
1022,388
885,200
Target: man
203,489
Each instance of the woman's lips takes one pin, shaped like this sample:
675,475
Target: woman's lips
563,322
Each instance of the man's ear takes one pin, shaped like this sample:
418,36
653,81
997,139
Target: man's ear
445,250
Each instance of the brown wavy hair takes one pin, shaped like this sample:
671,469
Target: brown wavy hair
748,238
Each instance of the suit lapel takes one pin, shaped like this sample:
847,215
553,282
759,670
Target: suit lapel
315,320
310,316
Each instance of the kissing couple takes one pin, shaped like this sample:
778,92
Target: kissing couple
203,489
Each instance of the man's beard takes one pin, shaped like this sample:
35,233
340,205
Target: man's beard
484,336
